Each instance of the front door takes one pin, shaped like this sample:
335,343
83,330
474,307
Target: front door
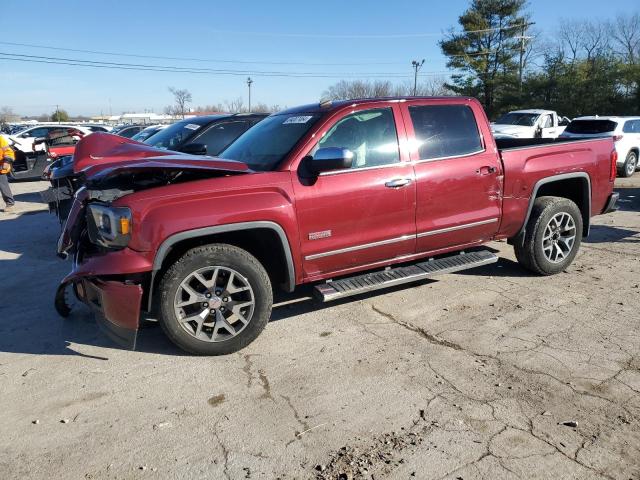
458,179
366,214
547,129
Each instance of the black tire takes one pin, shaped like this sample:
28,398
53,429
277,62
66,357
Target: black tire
529,250
218,255
630,165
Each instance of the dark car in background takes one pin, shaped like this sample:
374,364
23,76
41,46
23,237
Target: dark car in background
204,135
142,135
128,131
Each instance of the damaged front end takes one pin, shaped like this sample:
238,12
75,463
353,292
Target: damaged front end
107,275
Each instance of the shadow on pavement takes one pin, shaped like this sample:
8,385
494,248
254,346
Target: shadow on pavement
629,199
30,272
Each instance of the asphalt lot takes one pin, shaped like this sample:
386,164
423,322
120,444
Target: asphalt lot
491,373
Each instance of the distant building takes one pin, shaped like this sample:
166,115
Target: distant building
134,118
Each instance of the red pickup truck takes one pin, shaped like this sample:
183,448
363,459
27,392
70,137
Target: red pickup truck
352,196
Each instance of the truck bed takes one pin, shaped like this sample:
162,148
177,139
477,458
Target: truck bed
528,161
513,143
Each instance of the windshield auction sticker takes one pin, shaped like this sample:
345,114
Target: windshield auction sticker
300,119
192,126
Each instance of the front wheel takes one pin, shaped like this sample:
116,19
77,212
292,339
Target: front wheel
630,165
552,237
216,299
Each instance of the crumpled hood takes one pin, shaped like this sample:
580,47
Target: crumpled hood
102,147
170,163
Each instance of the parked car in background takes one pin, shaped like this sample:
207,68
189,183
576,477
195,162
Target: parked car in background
624,130
142,135
98,128
318,194
28,165
529,124
128,131
25,138
61,142
205,135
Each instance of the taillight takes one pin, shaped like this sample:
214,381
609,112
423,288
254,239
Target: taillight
617,138
614,166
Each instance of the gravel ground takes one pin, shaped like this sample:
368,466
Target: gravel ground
491,373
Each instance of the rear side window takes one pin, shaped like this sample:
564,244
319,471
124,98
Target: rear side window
631,126
591,127
445,131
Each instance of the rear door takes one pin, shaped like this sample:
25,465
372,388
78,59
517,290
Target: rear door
366,214
458,179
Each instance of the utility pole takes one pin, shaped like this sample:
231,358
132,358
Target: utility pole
416,66
249,82
522,39
58,113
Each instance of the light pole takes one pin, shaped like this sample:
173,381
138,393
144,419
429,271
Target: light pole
416,66
249,82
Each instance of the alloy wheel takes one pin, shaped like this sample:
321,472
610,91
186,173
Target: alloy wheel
631,164
559,237
214,304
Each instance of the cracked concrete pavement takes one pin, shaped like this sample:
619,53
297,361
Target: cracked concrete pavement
490,373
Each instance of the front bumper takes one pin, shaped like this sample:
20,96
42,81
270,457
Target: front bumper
111,285
612,203
116,307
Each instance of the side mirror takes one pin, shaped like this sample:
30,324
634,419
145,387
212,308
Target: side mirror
330,158
194,149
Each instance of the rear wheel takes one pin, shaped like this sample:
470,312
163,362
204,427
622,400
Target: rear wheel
630,165
215,300
552,236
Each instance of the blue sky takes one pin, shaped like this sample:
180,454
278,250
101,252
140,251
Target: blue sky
254,31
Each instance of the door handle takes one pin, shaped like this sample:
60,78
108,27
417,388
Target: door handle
486,170
398,183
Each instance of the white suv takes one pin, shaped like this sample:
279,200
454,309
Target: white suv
624,130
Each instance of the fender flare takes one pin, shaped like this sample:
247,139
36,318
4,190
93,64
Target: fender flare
586,216
169,242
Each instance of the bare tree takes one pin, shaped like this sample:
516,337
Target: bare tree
625,32
181,97
235,105
434,86
7,115
571,37
350,89
595,40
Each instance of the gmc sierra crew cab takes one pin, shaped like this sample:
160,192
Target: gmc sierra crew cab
351,196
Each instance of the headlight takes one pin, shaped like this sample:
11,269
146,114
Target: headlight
109,227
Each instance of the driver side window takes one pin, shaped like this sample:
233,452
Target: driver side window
370,134
546,122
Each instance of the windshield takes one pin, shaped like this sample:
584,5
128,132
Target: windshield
265,145
175,135
514,118
591,127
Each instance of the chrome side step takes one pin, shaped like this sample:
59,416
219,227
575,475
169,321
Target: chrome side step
346,287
